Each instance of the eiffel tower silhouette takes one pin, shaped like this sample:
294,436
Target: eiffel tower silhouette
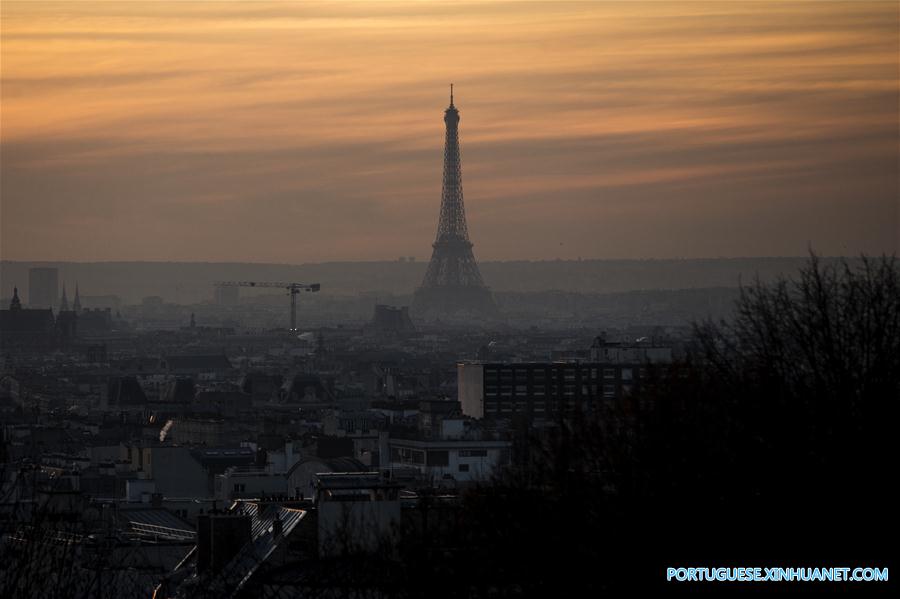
452,283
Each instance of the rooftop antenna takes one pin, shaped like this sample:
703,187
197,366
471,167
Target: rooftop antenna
451,94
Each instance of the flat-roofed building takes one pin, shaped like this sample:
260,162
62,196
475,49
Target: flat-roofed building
450,461
356,511
542,391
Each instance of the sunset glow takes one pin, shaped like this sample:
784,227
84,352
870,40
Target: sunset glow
302,132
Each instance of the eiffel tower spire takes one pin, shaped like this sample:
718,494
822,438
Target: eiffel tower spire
452,282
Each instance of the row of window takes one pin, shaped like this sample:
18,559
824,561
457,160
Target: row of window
492,375
504,402
434,457
567,391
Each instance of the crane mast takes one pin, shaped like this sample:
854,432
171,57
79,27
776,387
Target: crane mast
293,290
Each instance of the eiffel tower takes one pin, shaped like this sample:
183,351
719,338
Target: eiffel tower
452,282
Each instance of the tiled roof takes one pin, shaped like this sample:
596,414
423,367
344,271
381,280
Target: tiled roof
264,541
157,522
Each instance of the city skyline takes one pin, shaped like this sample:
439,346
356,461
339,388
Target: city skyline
386,298
301,132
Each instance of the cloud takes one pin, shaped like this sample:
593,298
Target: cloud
169,130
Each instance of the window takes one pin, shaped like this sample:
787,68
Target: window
626,374
609,390
609,373
406,455
463,467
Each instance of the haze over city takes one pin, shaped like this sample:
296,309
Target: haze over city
308,132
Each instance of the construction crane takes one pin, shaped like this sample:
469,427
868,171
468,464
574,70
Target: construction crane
293,290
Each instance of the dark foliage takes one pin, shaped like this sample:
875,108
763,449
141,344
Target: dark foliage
772,444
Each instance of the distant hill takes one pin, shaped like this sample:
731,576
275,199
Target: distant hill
191,282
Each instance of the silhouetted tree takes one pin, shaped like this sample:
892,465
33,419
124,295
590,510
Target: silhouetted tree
771,443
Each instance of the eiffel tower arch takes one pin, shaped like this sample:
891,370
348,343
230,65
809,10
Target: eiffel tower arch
452,283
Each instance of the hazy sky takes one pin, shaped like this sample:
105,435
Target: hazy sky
305,132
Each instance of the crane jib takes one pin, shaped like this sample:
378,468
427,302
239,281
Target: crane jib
292,288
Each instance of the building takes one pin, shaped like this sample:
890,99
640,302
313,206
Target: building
640,351
355,511
233,547
365,429
101,302
201,367
66,320
175,471
446,448
307,388
43,287
238,483
448,462
125,392
222,403
542,391
96,321
391,320
33,327
301,476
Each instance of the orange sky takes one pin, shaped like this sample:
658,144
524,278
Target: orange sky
312,131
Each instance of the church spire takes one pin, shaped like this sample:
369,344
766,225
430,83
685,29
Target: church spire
16,303
64,302
76,305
